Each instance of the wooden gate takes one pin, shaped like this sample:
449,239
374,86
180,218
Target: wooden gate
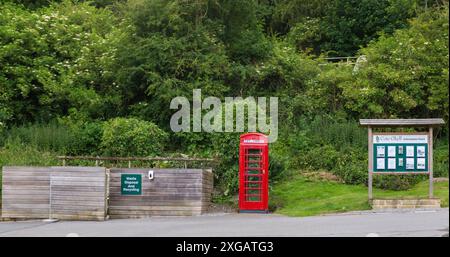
78,193
73,193
25,192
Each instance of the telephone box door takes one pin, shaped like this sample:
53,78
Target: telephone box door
253,173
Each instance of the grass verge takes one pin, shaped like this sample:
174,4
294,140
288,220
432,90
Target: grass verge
300,196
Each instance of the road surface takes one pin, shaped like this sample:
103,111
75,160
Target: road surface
408,223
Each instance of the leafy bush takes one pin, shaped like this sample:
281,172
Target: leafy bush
320,157
226,146
132,137
198,144
86,139
398,182
351,166
277,166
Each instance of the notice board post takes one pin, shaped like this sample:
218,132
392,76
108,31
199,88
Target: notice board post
400,153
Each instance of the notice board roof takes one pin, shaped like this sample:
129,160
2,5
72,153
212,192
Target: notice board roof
401,122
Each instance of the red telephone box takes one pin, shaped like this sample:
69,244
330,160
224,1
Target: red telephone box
253,173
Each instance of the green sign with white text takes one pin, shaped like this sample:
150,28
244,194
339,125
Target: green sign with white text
131,184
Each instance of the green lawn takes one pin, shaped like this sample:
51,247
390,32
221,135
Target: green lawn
302,197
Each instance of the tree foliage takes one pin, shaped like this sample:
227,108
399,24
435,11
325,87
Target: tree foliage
106,71
52,60
406,74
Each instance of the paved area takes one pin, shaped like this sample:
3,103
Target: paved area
409,223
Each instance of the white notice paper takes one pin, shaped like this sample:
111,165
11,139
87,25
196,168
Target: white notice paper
391,163
380,164
420,151
410,151
391,151
409,163
420,163
380,151
400,149
400,162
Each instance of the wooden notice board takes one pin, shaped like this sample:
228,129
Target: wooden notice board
399,153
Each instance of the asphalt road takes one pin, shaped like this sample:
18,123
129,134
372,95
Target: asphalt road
409,223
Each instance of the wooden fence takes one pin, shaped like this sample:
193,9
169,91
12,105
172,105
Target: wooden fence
74,193
25,192
91,193
171,192
78,193
100,160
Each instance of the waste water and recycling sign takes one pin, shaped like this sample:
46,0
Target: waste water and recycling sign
131,184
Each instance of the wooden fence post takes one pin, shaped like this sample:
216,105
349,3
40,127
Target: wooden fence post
370,151
430,161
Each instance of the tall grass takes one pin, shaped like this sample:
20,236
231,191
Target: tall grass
46,137
16,154
335,132
440,158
